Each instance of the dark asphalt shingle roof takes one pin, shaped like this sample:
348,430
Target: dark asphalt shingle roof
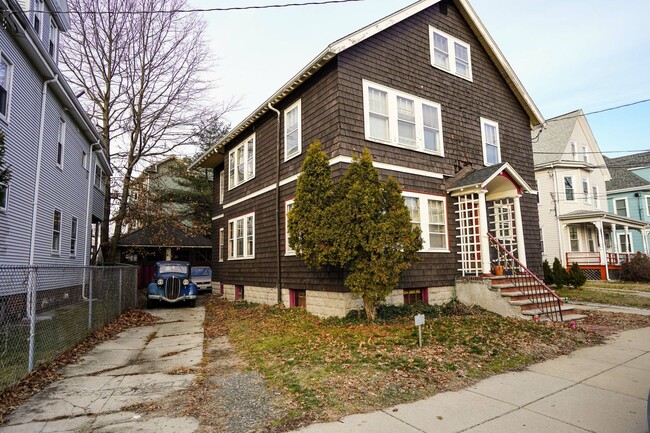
632,161
622,178
475,177
174,236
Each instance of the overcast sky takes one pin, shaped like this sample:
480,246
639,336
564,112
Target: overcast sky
569,54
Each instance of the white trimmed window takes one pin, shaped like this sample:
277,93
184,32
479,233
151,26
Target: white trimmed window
241,237
73,236
541,240
625,242
292,131
54,40
429,212
60,145
450,54
596,197
56,232
222,185
221,243
4,197
574,242
491,143
288,251
99,178
620,207
574,151
38,17
84,159
241,163
585,189
585,154
6,70
647,204
399,119
568,188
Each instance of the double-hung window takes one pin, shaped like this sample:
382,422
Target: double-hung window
620,206
574,150
60,146
429,213
596,198
54,40
241,237
222,185
56,232
5,86
585,154
585,189
573,238
491,142
73,237
647,203
288,251
99,178
399,119
241,163
4,197
221,244
568,188
450,54
292,131
38,16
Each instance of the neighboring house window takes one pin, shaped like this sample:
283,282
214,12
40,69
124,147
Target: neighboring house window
573,238
222,185
4,197
430,214
402,120
568,188
292,131
54,39
574,151
56,232
73,237
596,198
491,146
241,237
99,178
241,163
620,207
60,146
221,244
287,207
585,154
38,16
585,189
450,54
647,205
625,242
5,86
541,240
590,240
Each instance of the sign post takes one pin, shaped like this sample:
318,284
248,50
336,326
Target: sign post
419,321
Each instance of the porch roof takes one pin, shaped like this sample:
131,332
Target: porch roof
483,176
580,216
173,237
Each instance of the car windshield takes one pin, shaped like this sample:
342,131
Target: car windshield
201,272
175,267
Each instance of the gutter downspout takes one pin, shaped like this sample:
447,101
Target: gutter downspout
277,205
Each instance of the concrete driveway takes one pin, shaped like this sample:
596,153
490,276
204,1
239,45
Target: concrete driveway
142,366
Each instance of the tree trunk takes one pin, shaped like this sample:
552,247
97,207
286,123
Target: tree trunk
371,309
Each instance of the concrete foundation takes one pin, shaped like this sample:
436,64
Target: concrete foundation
479,292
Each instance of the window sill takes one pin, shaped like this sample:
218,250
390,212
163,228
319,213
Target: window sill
289,158
230,188
450,72
240,258
435,250
402,146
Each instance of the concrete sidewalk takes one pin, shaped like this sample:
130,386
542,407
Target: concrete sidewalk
600,389
144,365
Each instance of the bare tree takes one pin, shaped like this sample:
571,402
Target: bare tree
142,65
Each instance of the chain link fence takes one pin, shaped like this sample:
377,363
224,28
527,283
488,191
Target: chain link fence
45,310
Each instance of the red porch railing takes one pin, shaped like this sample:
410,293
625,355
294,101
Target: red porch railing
549,304
583,258
618,258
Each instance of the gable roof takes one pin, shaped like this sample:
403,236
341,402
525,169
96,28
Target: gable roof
212,157
622,177
637,160
481,177
553,137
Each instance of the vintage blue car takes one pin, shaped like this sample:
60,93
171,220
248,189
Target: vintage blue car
171,283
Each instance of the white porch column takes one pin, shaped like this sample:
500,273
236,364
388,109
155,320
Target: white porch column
644,235
628,240
615,242
483,225
602,248
519,226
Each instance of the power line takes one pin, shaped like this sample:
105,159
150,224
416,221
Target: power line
192,10
587,153
560,118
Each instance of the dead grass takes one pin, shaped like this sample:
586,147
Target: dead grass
618,285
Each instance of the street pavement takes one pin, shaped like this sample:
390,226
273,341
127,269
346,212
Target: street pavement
144,365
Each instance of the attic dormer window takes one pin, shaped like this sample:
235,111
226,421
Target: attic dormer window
585,154
450,54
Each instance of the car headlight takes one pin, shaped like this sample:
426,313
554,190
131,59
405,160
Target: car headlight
186,282
160,281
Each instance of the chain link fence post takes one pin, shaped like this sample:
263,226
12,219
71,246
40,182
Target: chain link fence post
135,286
90,301
120,294
31,314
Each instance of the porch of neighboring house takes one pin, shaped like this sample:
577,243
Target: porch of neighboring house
600,242
492,256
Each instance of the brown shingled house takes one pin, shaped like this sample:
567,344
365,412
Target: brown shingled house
428,92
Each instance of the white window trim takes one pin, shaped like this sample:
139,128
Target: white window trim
232,240
585,154
577,238
596,194
58,251
54,31
233,155
222,185
574,151
296,105
485,122
288,251
61,142
222,243
392,119
84,159
4,206
585,193
100,186
73,253
541,240
39,7
573,184
627,209
647,210
629,241
10,73
423,200
451,51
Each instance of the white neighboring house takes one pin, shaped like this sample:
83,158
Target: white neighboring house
57,160
575,225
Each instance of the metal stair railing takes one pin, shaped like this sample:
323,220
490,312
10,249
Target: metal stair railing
529,284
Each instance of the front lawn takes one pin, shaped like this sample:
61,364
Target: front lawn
329,368
612,293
